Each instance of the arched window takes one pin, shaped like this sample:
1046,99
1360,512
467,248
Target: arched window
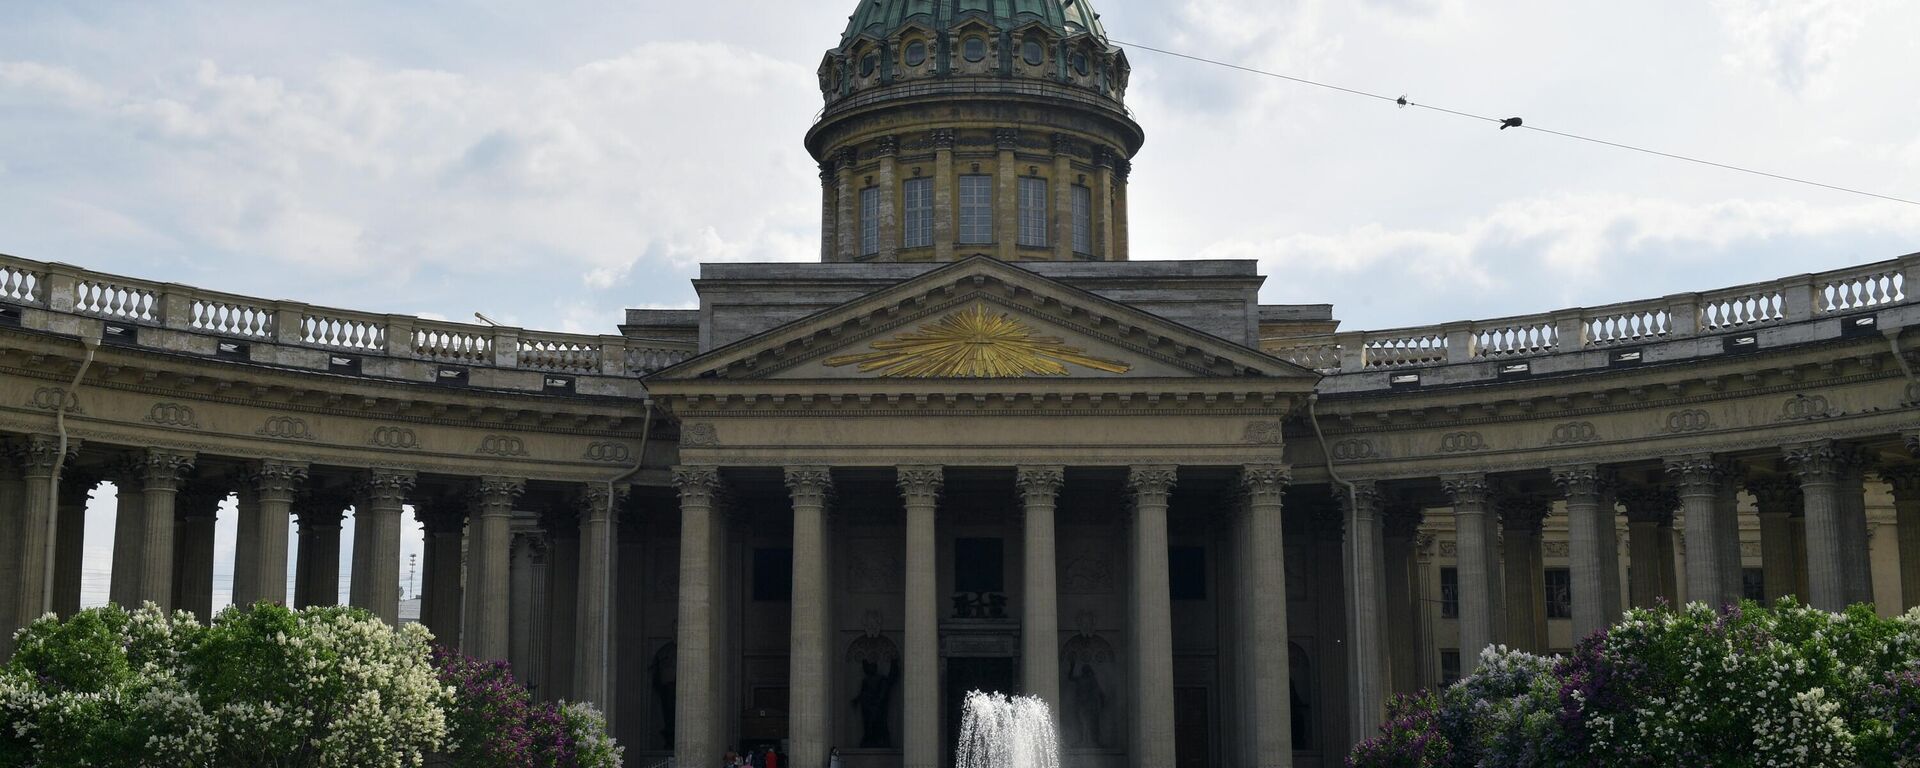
1080,62
868,64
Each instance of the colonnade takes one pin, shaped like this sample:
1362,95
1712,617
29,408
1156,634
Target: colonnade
703,605
163,549
1809,499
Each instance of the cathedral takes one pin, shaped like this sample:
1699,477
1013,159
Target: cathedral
982,445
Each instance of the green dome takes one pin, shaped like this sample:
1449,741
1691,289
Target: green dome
881,18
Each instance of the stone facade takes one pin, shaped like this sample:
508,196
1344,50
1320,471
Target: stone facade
835,496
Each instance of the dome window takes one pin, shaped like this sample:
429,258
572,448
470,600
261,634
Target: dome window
974,49
916,53
1033,52
1080,62
868,64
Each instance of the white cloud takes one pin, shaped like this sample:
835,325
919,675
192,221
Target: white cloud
1792,42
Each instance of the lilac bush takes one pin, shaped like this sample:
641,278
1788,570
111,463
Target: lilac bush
493,722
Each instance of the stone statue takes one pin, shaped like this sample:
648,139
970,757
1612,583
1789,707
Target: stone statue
876,692
1089,707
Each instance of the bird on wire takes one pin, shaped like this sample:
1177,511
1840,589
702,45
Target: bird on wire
1511,122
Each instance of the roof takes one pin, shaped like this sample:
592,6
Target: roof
881,18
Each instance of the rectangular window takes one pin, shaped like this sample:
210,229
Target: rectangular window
1753,585
1559,593
1187,572
976,209
1033,212
773,575
1449,666
1082,220
917,208
1449,593
869,221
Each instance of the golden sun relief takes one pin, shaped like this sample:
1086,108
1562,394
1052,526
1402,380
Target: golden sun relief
974,343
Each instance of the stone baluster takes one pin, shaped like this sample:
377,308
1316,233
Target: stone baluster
69,556
1700,479
318,569
1475,563
264,522
1366,593
488,571
594,649
701,687
811,693
1816,465
1039,599
1776,498
197,508
1263,582
1152,616
162,471
920,490
1593,554
1650,544
1522,517
444,522
376,576
1904,480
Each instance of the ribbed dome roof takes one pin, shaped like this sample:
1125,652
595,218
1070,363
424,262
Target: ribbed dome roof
881,18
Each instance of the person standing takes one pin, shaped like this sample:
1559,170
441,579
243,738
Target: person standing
833,758
773,758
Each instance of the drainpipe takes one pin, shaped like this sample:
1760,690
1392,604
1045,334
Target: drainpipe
92,345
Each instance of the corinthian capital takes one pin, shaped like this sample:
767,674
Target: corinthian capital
1582,483
37,454
1696,475
809,484
699,484
1265,483
387,487
1817,462
1040,483
597,502
162,470
920,484
1904,479
1465,490
1152,480
1361,501
277,480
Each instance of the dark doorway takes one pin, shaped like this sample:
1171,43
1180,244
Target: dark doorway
992,675
1192,728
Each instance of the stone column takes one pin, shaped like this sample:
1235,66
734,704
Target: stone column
944,211
1776,498
1522,517
594,651
920,709
1263,580
1366,593
488,574
12,498
161,474
1006,196
69,555
1699,479
1103,161
129,520
270,514
441,593
829,207
811,709
1904,480
1062,193
1649,523
1850,486
376,578
319,565
1122,169
527,635
1405,640
36,455
702,677
1039,598
1152,615
198,506
563,594
1477,630
848,230
1594,561
887,179
1733,581
1817,467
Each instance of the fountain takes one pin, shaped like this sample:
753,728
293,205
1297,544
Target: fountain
1000,731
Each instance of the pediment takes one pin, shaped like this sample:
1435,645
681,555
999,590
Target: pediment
982,319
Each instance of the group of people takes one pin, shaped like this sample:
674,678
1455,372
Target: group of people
769,758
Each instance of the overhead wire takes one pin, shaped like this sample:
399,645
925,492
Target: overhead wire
1403,101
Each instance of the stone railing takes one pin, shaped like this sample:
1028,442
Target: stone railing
64,289
1760,305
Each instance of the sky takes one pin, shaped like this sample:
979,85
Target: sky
552,163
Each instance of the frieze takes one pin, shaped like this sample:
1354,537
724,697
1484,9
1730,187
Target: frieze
611,453
502,445
1462,442
399,438
171,415
1688,421
1574,433
1355,449
285,428
1262,433
700,434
